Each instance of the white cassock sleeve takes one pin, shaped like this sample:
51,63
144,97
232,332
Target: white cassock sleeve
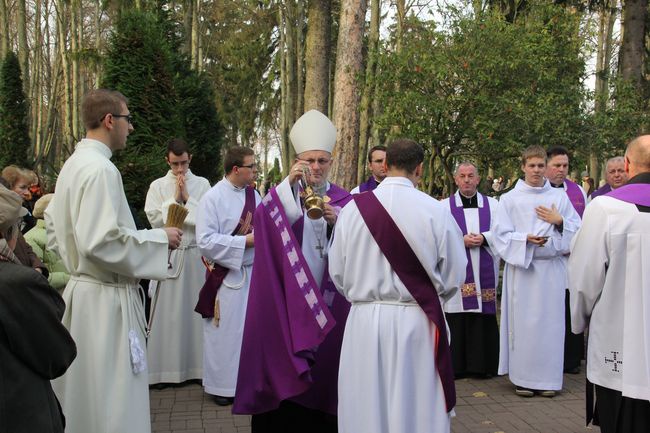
588,264
224,249
100,237
336,251
494,206
452,259
571,222
290,200
157,205
509,244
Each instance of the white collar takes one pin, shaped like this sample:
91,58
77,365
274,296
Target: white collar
90,143
459,202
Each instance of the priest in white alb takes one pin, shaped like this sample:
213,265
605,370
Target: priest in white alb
224,233
397,253
471,312
91,228
609,280
532,232
175,345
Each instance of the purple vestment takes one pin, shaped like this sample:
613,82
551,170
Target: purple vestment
410,271
576,197
208,294
601,191
368,185
635,193
294,326
487,278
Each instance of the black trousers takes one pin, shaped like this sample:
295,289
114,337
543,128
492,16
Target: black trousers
574,344
474,343
293,418
618,414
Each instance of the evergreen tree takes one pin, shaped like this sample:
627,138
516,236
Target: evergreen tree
14,131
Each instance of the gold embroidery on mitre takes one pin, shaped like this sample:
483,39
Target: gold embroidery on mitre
468,290
488,295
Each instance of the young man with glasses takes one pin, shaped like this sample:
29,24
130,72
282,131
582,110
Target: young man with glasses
224,234
284,381
175,345
91,227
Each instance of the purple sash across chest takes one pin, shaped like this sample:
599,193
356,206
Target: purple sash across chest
487,277
410,271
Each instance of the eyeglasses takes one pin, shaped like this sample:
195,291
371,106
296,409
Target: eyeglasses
128,117
251,166
320,161
179,163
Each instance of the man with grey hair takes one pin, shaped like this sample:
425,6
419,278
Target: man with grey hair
615,176
471,312
609,280
35,347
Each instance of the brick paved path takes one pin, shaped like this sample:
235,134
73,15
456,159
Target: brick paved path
484,406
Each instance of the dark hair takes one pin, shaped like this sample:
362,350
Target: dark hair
177,146
235,157
98,103
557,150
374,148
404,154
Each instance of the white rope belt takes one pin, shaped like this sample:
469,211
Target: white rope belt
388,302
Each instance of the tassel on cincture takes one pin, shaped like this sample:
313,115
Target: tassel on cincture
217,313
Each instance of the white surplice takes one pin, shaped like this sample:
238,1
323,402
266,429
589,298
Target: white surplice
534,280
91,227
175,346
388,345
218,215
609,281
314,232
455,304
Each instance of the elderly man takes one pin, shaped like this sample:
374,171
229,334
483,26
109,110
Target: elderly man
471,312
34,346
615,176
91,227
395,253
376,158
175,346
609,280
557,170
284,381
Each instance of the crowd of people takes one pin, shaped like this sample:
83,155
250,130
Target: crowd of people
313,308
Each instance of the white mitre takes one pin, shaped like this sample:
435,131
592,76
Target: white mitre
313,131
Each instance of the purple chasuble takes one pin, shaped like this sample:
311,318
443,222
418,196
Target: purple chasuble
487,278
368,185
294,326
208,293
410,271
601,191
635,193
575,196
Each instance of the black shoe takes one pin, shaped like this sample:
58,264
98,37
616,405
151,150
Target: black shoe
159,386
574,370
222,401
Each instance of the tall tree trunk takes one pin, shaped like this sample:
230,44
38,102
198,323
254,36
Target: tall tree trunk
633,48
291,55
300,59
188,15
36,89
75,77
349,62
369,86
4,30
62,50
196,10
285,151
316,56
23,48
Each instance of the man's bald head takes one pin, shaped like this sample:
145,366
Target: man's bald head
637,156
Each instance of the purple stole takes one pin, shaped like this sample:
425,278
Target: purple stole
208,293
409,269
486,262
368,185
635,193
601,191
291,346
575,196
